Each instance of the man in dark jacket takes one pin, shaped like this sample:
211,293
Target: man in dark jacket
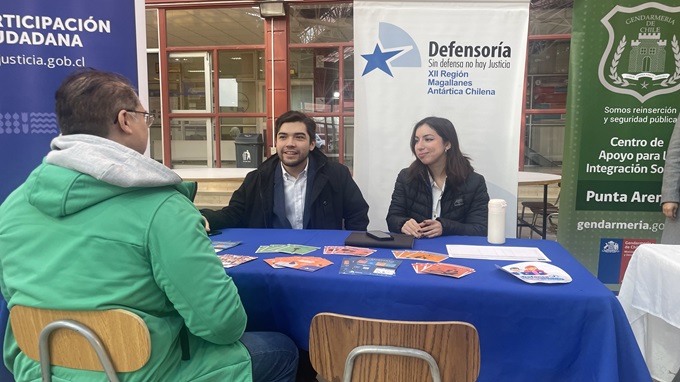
296,188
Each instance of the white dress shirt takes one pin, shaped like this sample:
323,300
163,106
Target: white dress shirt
436,197
294,192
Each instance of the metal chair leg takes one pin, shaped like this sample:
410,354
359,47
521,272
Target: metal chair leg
90,336
390,350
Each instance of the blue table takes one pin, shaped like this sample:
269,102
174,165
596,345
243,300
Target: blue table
560,332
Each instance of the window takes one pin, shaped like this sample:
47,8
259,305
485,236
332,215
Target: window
546,84
213,84
214,27
321,58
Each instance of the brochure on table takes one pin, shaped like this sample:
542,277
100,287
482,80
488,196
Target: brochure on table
293,249
369,266
222,245
304,263
441,269
536,272
230,261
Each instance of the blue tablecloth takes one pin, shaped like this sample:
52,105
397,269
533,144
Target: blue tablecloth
538,333
560,332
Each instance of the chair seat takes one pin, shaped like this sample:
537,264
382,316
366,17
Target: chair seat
532,204
539,211
536,208
550,210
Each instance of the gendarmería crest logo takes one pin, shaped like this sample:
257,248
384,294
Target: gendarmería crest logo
642,57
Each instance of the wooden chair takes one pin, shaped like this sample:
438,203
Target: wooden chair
537,210
553,221
371,350
118,339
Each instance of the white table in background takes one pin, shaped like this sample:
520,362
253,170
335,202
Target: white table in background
650,296
212,173
215,185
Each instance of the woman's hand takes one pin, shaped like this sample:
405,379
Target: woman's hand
431,228
411,227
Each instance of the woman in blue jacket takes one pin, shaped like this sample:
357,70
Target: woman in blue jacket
439,193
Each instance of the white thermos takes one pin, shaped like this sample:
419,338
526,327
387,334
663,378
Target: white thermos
496,232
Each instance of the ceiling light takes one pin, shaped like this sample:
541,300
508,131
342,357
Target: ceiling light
272,9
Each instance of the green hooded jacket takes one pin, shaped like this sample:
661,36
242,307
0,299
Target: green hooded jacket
98,226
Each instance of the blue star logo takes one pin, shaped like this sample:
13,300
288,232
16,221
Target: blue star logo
378,60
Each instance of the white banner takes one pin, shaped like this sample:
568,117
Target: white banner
463,61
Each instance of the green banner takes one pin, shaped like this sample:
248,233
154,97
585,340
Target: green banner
624,99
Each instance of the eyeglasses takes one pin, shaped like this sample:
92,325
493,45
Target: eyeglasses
148,117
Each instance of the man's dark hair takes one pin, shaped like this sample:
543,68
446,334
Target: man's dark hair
88,101
296,116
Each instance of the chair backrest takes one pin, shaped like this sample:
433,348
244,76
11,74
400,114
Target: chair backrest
453,345
123,334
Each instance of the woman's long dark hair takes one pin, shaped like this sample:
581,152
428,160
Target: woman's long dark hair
458,166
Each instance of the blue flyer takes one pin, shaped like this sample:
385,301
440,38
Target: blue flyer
368,266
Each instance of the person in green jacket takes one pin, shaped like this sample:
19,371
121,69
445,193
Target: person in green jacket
98,226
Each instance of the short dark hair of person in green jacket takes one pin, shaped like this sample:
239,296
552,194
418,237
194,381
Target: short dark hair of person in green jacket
98,225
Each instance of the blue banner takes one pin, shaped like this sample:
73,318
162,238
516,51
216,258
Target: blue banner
42,41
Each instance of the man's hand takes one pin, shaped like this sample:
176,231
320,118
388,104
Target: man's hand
207,225
670,209
431,228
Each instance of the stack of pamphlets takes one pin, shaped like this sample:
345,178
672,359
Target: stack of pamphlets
229,261
306,263
293,249
222,245
347,250
450,270
420,255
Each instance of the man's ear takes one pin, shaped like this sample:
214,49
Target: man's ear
122,122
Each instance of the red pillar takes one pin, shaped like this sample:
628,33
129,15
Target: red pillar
277,73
